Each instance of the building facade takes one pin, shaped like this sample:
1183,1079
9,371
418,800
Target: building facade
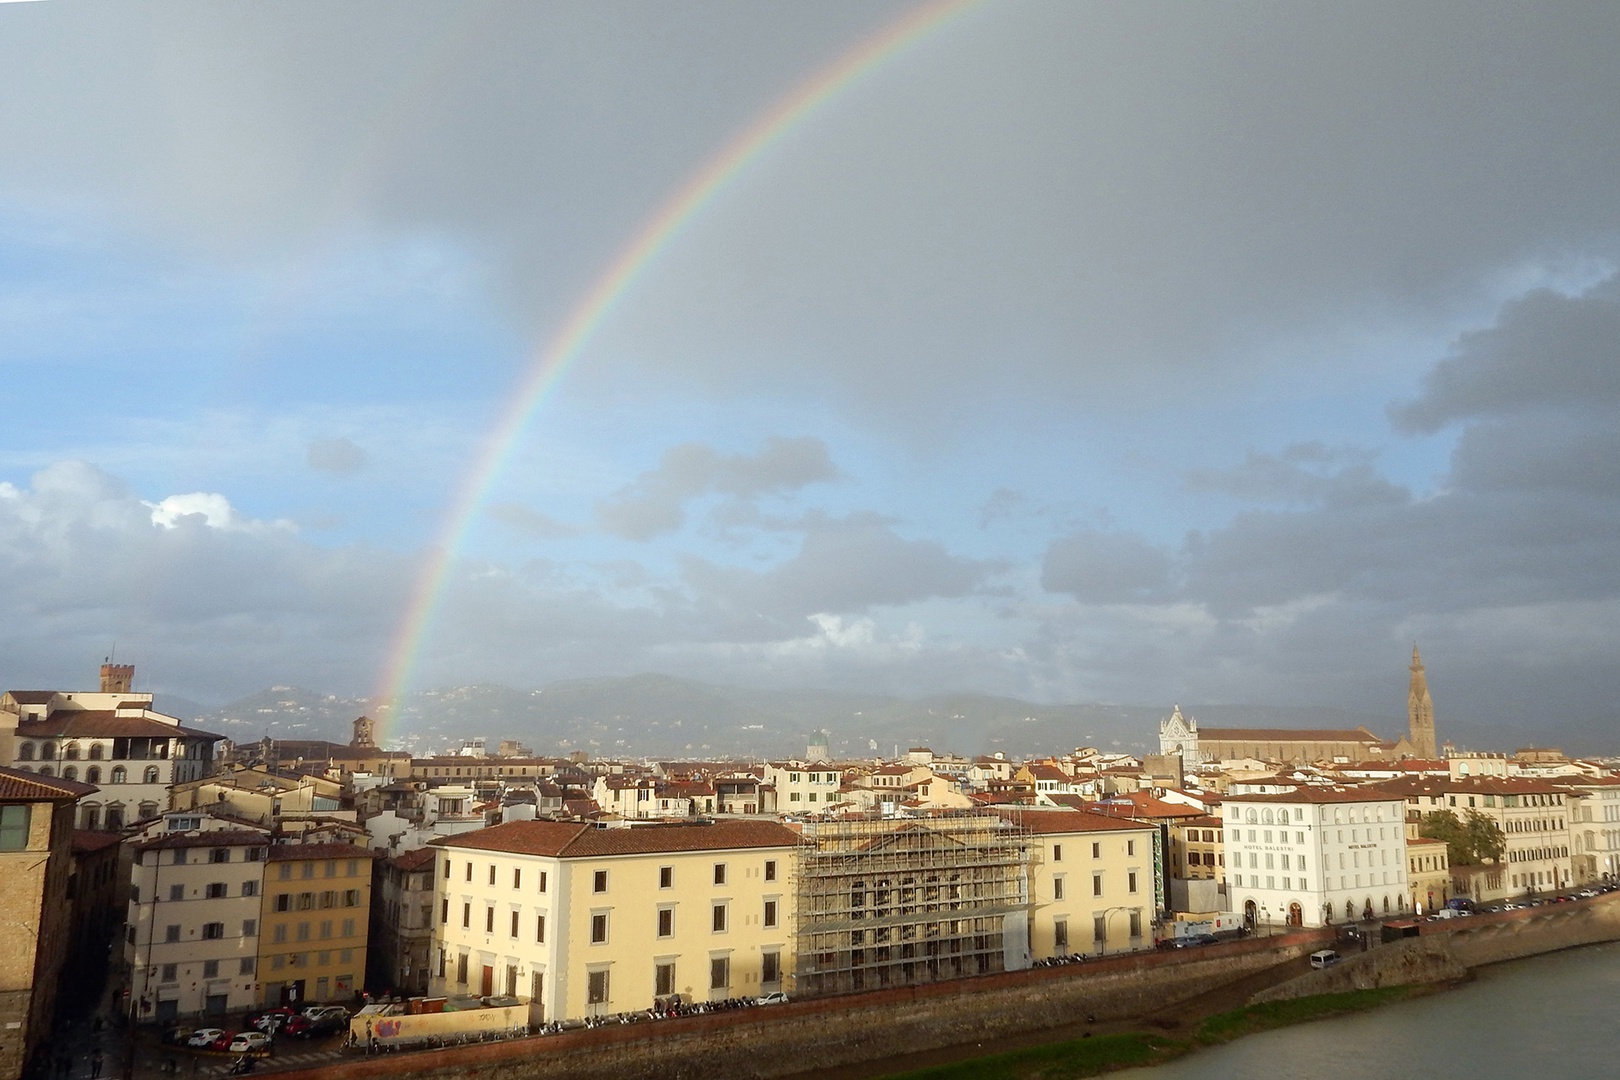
1091,882
315,921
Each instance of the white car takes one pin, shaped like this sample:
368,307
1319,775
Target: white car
250,1041
775,998
204,1036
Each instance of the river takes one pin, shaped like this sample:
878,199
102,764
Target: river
1551,1015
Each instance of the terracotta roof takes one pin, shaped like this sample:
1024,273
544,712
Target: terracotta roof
1050,822
572,839
1282,735
210,838
19,785
292,852
1072,801
88,840
1144,805
412,861
1319,794
103,724
1410,786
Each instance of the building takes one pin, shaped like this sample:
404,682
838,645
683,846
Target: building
36,860
1316,855
1420,710
901,902
315,918
111,738
803,788
402,921
1428,872
1595,828
1091,882
581,920
98,891
192,937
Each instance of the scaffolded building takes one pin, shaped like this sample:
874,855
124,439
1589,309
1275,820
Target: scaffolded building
902,902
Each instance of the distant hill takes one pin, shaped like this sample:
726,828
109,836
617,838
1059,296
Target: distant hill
662,716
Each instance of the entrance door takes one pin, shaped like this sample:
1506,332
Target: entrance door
215,1004
168,1011
488,982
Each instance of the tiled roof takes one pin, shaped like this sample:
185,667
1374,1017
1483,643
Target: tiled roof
18,785
87,840
210,838
1282,735
412,861
293,852
103,724
572,839
1070,821
1319,794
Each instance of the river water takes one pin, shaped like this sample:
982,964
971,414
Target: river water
1556,1015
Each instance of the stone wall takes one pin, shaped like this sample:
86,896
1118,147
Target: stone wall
783,1040
1448,949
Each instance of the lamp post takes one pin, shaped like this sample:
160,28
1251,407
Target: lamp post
1265,917
1108,913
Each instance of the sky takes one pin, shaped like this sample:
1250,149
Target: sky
1073,351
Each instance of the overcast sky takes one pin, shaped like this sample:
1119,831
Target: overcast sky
1079,351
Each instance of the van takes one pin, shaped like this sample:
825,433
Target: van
1324,958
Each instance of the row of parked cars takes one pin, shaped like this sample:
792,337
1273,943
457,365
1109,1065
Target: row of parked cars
314,1022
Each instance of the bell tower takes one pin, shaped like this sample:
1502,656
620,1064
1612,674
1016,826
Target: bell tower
1420,710
365,732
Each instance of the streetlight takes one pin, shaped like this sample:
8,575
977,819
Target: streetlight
1265,917
1108,913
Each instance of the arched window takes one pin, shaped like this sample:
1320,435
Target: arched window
148,810
119,776
47,751
25,752
1349,909
92,775
89,816
45,770
1253,817
115,816
70,752
70,772
96,750
1266,816
151,775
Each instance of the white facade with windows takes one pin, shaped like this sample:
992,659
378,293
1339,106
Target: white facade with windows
193,935
1315,856
803,788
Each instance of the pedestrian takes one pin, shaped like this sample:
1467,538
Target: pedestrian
95,1065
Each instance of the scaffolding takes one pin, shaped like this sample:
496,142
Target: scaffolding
902,902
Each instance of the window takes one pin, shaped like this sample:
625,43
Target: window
1130,847
461,968
596,987
517,880
213,931
1136,924
770,869
150,776
250,888
1096,884
1096,851
177,892
666,877
1130,880
93,774
492,873
1060,934
306,900
542,881
599,928
770,970
540,929
14,827
210,969
719,972
719,873
351,898
515,916
170,973
664,978
770,913
489,920
70,772
466,916
469,878
219,855
599,881
444,912
250,927
278,933
284,901
1057,852
302,931
1057,887
1099,929
718,918
171,933
666,922
217,890
247,966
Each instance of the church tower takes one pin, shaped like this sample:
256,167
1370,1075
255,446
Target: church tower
1420,710
364,733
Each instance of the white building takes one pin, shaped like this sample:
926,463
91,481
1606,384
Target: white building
1594,825
803,788
1315,855
193,937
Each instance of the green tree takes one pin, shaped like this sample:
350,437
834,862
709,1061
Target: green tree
1470,840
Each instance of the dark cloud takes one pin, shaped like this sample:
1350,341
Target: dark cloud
1106,568
656,502
339,455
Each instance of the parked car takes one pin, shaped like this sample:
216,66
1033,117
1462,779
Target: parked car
271,1020
302,1027
204,1036
774,998
322,1012
249,1042
1324,958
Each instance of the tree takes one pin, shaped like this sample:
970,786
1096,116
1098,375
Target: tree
1470,840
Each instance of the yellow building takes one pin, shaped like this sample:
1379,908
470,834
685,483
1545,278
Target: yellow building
313,927
584,921
1428,872
36,858
1091,882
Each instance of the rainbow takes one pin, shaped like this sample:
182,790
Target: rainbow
597,304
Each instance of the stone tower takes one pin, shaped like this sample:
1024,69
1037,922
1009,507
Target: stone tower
1420,710
117,678
365,732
